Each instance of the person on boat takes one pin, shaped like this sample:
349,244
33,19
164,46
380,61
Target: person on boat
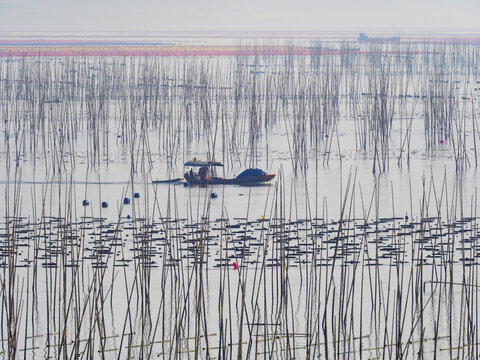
203,172
191,173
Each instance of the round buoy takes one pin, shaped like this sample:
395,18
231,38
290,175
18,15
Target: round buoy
185,184
136,195
214,195
104,204
128,217
126,201
85,202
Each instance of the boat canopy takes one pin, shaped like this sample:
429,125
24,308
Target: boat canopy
250,173
202,163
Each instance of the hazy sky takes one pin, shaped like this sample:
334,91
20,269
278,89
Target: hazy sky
151,15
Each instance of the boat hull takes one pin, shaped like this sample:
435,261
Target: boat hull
253,180
176,180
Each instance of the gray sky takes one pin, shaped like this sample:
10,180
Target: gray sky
159,15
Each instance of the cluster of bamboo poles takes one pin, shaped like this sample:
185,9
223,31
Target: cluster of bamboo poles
341,297
60,113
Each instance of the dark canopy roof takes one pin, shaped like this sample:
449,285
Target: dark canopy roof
202,163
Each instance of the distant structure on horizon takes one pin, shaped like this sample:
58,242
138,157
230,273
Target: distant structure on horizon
366,39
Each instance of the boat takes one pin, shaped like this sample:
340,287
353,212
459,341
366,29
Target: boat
206,175
363,38
176,180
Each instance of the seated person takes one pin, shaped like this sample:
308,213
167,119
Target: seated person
203,172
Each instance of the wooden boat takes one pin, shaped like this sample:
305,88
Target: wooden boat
206,175
176,180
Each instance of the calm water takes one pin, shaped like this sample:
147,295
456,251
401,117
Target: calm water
366,240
